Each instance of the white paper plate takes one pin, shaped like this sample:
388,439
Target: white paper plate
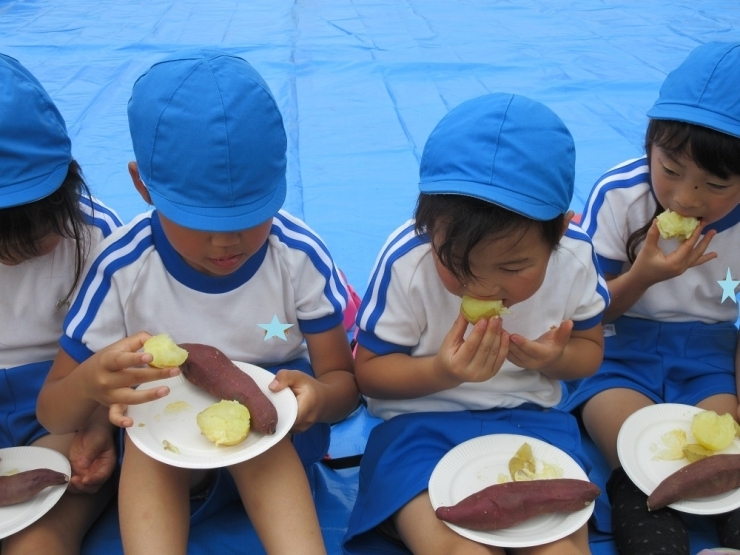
15,518
173,419
639,440
476,464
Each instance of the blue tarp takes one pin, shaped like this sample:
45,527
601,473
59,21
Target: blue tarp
361,83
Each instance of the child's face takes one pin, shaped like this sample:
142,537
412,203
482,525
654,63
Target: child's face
215,254
682,186
510,268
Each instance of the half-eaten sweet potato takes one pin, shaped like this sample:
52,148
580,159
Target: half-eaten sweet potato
211,370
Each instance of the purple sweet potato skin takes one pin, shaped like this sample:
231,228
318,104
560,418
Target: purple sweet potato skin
504,505
211,370
710,476
24,485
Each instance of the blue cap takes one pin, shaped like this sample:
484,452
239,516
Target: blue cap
209,141
35,150
704,89
505,149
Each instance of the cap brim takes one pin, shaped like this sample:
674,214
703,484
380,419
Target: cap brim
31,191
221,219
521,204
697,116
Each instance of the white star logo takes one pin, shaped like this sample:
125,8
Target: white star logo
275,329
728,286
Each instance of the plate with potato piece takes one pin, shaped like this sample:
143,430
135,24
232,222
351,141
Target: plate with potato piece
14,518
487,460
167,429
657,440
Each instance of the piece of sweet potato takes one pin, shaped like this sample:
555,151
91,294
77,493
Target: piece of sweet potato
703,478
504,505
211,370
24,485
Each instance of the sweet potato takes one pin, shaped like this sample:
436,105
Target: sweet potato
505,505
211,370
703,478
24,485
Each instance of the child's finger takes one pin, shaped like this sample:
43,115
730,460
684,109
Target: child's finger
653,234
489,344
117,416
139,375
562,334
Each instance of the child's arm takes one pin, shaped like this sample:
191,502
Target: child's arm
652,266
400,376
72,392
561,353
333,394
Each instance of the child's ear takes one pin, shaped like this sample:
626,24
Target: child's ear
566,221
133,171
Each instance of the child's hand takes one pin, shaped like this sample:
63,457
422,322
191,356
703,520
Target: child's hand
653,266
306,390
110,374
543,351
477,358
92,456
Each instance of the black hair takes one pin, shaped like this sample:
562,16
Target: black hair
23,228
462,222
713,151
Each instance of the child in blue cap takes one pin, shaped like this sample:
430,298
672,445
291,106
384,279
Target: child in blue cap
216,262
492,222
48,224
671,336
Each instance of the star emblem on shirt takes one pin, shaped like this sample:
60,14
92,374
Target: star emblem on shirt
275,329
728,286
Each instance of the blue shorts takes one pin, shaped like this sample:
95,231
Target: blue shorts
19,390
402,452
668,362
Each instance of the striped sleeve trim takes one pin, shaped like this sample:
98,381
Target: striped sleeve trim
296,235
97,282
626,175
403,241
575,232
99,215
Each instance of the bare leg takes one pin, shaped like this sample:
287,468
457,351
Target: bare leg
153,504
62,529
424,534
575,544
604,414
721,403
276,495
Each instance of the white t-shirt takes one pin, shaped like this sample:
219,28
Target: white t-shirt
137,282
407,310
31,315
622,202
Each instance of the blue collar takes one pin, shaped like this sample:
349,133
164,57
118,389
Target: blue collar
192,278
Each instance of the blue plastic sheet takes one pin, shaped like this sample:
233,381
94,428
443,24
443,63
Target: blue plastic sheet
361,83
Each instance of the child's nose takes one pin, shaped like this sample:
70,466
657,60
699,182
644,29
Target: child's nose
224,239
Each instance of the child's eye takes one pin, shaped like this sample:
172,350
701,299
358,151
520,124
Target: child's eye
669,171
512,270
717,186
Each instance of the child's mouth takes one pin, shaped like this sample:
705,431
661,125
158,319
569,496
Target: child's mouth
227,262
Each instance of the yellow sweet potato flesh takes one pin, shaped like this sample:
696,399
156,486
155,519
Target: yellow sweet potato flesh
474,309
166,353
672,224
225,422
